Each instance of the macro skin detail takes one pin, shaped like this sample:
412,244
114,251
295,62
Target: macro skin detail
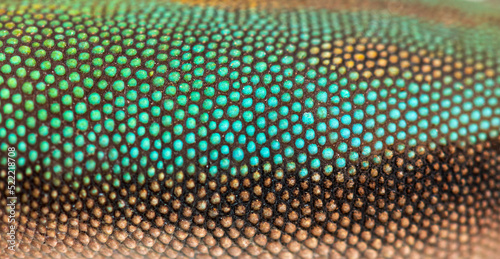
269,129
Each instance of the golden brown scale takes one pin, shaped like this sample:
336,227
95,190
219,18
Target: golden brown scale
446,206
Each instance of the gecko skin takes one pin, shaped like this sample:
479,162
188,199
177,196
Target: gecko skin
268,129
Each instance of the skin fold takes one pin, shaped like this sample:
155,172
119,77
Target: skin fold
268,129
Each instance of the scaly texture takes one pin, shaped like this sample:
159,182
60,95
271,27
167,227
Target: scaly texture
163,129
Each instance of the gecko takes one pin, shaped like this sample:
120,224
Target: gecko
247,128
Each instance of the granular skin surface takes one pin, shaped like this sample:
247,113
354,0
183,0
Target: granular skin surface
267,129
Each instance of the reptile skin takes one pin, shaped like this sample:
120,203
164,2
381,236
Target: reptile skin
246,128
